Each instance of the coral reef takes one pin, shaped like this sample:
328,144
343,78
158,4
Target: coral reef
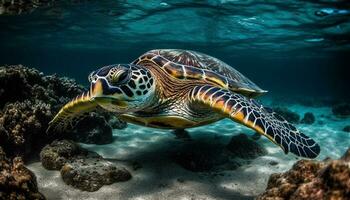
311,180
29,100
308,118
17,7
289,115
23,126
80,168
16,181
341,110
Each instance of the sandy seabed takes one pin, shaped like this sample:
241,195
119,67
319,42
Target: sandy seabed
159,177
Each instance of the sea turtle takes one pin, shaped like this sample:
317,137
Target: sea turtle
176,89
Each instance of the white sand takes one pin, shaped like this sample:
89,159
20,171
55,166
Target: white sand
161,178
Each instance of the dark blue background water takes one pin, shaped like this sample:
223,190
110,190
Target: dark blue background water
291,48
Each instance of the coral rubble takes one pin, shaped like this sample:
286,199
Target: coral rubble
311,180
16,181
80,168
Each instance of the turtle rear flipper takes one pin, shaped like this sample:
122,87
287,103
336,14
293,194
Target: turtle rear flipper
253,115
71,113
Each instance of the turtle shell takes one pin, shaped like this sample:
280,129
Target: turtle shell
185,64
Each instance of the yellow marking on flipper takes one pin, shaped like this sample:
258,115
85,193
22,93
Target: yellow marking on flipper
239,117
79,105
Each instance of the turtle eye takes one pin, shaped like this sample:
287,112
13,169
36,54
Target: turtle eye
119,78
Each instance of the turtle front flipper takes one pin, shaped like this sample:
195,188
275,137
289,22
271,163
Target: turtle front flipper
71,113
253,115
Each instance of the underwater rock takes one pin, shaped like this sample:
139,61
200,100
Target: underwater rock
28,102
16,181
308,118
311,180
53,156
341,110
243,147
91,173
347,128
114,121
273,163
83,169
181,134
289,115
95,130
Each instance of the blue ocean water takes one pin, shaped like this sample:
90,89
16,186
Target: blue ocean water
286,47
297,50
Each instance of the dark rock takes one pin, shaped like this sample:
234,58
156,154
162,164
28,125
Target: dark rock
181,134
256,136
95,130
16,181
289,115
347,128
80,168
309,118
328,179
115,122
273,163
243,147
91,173
136,165
341,110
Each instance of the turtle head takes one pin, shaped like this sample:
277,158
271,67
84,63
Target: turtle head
122,88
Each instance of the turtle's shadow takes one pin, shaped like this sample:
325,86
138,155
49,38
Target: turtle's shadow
180,162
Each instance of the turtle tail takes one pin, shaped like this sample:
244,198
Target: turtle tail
71,113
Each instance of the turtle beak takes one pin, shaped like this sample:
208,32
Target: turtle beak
107,102
96,89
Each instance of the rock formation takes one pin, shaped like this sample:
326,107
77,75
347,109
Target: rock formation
311,180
